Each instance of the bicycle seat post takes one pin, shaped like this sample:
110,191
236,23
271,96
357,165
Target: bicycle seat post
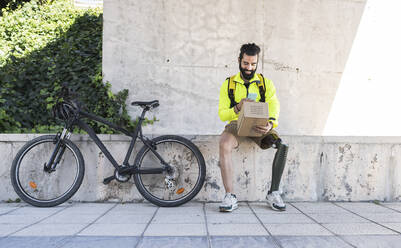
142,118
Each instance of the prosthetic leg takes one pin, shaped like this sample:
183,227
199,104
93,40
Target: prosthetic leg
273,197
278,164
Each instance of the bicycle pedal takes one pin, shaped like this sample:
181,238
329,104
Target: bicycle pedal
107,180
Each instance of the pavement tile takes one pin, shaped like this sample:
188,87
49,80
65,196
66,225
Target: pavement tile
374,241
181,210
68,218
50,230
357,229
35,211
393,205
9,228
227,218
214,208
263,208
20,219
88,208
297,229
176,230
364,207
236,230
394,226
5,210
173,242
338,218
31,242
311,242
13,204
383,217
113,230
124,218
185,218
284,218
194,203
135,208
100,242
318,207
240,242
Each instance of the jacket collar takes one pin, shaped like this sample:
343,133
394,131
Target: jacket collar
238,78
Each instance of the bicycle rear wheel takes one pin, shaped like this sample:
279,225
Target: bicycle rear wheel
178,186
41,188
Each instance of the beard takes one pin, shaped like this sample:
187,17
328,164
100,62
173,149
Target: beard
245,75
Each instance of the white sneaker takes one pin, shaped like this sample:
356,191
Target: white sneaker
229,203
275,201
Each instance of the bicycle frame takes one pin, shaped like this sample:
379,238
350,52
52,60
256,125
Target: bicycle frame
126,168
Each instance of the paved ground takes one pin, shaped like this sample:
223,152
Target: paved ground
201,225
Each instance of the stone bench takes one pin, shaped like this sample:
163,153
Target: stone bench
318,169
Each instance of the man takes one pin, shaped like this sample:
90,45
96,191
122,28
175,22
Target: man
233,93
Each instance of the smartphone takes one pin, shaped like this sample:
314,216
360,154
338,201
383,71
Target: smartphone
252,96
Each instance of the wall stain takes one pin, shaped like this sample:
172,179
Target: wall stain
348,188
345,154
212,184
375,160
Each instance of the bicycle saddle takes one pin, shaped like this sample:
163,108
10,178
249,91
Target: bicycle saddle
152,104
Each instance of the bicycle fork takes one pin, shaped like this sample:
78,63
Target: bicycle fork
58,152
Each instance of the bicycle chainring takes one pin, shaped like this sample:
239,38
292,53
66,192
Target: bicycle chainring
121,178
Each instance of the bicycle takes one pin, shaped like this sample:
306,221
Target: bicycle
168,170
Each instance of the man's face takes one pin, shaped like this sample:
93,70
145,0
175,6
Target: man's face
248,66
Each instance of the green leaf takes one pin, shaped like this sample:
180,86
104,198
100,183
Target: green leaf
45,45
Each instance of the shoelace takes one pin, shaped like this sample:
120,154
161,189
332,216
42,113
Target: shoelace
228,199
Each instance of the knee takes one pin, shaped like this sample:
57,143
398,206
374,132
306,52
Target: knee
226,144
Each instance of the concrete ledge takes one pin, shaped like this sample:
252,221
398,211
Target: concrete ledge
318,168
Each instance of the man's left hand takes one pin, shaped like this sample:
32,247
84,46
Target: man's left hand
263,129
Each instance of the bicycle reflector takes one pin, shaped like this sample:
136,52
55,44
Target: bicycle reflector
180,191
33,185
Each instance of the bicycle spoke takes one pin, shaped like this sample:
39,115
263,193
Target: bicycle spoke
46,188
185,175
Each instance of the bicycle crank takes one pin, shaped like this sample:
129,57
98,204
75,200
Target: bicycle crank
121,178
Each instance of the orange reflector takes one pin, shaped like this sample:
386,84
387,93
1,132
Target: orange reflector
32,184
180,190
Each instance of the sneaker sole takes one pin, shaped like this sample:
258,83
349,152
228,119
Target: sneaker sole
222,209
277,209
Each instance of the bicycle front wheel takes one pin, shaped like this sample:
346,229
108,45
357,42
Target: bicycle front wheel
178,186
42,188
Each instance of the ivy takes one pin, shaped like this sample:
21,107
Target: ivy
44,46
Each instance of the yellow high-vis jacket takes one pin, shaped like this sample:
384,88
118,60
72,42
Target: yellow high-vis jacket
227,114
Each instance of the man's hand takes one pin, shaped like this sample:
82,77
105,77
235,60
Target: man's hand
238,107
263,129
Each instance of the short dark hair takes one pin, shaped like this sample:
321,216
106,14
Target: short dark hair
250,49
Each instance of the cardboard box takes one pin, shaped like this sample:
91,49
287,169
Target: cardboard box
252,114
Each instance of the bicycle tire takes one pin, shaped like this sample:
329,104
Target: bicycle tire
147,182
33,185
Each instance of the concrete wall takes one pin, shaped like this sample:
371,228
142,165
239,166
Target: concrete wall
318,169
181,51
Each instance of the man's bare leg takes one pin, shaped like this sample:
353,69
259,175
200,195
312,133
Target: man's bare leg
227,143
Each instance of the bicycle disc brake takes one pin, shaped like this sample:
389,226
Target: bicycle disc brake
170,184
170,179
